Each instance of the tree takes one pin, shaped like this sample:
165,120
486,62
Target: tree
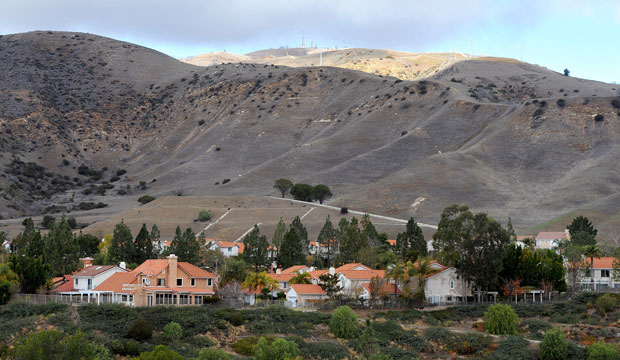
350,240
501,320
583,238
212,258
302,192
343,323
420,270
412,240
574,262
88,244
321,193
283,186
377,288
579,224
278,238
551,271
33,272
301,232
122,247
213,354
330,284
616,265
301,278
155,236
255,280
291,252
235,271
566,72
53,344
61,249
592,251
160,352
327,238
9,281
186,246
204,215
398,272
553,346
173,331
144,245
255,249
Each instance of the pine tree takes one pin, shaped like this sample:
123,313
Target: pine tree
21,243
369,232
301,232
155,237
122,247
278,237
186,246
255,249
61,249
144,245
292,249
411,243
351,242
327,238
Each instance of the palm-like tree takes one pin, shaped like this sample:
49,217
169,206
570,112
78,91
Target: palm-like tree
420,269
592,251
301,278
255,280
397,272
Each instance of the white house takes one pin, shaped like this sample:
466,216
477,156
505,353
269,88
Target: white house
353,276
303,294
85,281
444,286
228,248
604,278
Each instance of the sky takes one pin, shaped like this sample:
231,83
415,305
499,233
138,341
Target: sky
582,36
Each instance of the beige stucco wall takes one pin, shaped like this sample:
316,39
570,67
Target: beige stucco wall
439,284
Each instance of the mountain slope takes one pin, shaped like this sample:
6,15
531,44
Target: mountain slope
488,132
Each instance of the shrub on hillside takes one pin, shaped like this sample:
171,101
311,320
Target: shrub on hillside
513,347
615,103
536,327
603,351
553,346
237,319
575,352
439,336
53,344
471,343
343,323
323,350
140,331
213,354
160,352
144,199
606,303
204,215
501,320
173,331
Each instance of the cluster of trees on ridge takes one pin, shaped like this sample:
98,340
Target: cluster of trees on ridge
303,192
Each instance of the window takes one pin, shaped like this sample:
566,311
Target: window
161,282
198,300
209,283
124,298
449,298
604,273
451,284
76,282
192,282
179,282
90,284
130,298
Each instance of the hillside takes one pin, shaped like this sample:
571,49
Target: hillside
86,119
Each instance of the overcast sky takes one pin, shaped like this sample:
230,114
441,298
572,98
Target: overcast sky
583,36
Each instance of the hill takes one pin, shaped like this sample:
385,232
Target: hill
87,120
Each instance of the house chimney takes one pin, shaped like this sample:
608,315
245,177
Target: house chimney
332,271
86,262
311,269
172,271
122,265
279,271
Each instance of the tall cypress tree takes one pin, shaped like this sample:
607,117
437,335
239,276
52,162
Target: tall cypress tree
155,237
61,249
292,250
327,238
411,241
301,232
122,247
278,237
186,246
255,249
144,245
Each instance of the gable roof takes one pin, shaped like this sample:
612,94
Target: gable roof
362,274
307,289
95,270
444,268
605,262
117,280
65,285
281,277
194,271
152,266
389,288
292,269
352,266
551,235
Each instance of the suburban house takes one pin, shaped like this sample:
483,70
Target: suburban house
314,248
444,286
159,282
228,248
83,282
550,239
303,294
604,278
353,276
387,290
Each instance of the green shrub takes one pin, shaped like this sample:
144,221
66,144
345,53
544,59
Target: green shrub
204,215
501,320
379,356
237,319
53,344
603,351
387,332
513,347
536,327
575,352
395,353
324,351
213,354
606,303
439,336
140,331
173,331
553,346
470,343
343,323
145,199
282,349
245,346
160,352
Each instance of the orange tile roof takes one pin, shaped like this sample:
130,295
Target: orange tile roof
95,270
392,242
444,268
351,266
551,235
389,288
363,274
281,277
606,262
308,289
317,273
194,271
152,266
523,237
117,280
292,269
66,286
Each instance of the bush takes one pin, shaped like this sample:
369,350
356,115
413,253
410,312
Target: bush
553,346
237,319
344,210
513,347
53,344
213,354
599,117
48,221
603,351
343,323
282,349
501,320
204,215
470,343
140,331
536,327
615,103
144,199
245,346
159,353
575,352
561,103
173,331
606,303
324,350
439,336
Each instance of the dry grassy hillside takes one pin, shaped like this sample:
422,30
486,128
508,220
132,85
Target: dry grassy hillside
86,119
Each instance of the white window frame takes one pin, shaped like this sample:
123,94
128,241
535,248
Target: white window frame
178,282
89,284
608,273
76,282
192,282
209,282
452,284
163,282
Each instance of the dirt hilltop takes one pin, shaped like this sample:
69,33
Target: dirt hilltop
87,120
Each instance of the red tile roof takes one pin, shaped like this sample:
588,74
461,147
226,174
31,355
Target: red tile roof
192,290
392,242
551,235
389,288
601,263
96,270
152,266
117,280
65,286
194,271
363,274
281,277
351,266
308,289
292,269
